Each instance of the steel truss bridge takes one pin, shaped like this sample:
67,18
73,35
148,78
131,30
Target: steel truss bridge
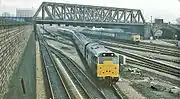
74,14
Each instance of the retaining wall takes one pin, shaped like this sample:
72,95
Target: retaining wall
13,40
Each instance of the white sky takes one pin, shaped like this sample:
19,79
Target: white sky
169,10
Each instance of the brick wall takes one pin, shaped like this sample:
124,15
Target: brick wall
13,40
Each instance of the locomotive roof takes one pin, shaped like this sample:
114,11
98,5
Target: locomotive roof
82,38
118,31
97,49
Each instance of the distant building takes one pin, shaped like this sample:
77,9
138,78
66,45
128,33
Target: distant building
24,12
159,21
178,20
5,14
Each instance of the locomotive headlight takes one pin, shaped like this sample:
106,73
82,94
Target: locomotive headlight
111,54
104,54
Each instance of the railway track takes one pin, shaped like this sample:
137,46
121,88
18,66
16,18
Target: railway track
152,64
55,82
170,41
60,41
86,83
114,87
166,50
148,47
79,78
153,48
88,88
145,48
164,46
154,67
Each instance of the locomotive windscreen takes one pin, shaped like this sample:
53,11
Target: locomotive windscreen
102,59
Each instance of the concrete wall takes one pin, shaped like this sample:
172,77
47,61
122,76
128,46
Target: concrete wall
147,31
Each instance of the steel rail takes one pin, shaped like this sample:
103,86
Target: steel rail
88,87
147,48
57,86
173,70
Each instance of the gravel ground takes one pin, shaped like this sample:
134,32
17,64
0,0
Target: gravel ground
40,84
125,87
160,42
149,84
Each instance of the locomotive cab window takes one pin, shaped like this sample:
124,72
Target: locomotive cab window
114,59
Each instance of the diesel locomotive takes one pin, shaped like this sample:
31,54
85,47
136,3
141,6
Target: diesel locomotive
103,62
117,34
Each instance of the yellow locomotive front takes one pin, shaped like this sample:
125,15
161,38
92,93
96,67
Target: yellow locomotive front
136,37
108,66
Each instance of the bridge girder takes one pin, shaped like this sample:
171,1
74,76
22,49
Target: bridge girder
61,12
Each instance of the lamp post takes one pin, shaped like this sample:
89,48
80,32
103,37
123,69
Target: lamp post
151,19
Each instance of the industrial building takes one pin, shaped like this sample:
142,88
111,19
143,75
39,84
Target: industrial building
6,14
24,12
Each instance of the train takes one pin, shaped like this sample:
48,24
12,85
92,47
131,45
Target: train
103,62
117,34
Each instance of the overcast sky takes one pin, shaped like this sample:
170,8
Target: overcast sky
169,10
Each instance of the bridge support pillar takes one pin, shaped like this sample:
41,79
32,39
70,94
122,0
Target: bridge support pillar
34,29
147,31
